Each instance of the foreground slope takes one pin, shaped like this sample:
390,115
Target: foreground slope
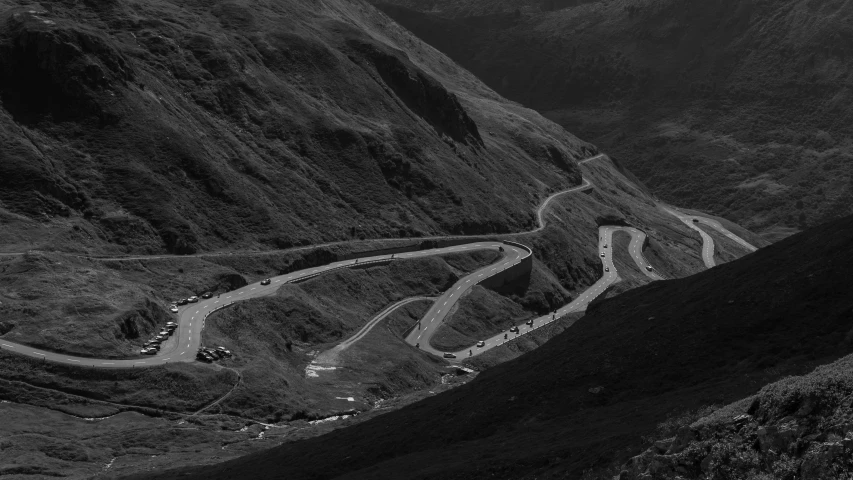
585,398
737,107
173,126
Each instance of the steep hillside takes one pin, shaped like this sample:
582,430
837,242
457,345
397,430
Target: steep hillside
586,398
738,107
178,126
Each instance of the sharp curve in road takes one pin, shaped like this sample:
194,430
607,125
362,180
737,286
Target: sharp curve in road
183,345
707,241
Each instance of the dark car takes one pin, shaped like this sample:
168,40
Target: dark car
265,282
224,351
513,329
206,295
606,269
182,301
203,357
449,355
696,220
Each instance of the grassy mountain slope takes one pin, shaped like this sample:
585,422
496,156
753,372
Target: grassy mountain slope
586,397
737,107
179,126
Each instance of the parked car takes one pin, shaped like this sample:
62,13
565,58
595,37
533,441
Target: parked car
265,281
513,329
224,351
148,351
161,337
173,308
206,295
449,355
204,357
481,344
192,299
182,301
171,324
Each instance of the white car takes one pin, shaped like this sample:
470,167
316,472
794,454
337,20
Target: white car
148,351
192,299
602,254
606,269
173,308
649,268
481,344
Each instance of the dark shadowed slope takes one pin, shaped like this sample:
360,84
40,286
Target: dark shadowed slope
737,107
586,397
179,126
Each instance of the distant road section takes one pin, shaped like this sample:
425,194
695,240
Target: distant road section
707,241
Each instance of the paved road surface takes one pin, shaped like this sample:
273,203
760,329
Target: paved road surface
707,241
183,345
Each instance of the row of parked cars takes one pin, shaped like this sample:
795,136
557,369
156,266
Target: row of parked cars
212,354
152,346
174,307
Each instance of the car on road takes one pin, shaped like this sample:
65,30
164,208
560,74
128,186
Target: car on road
206,295
649,268
481,344
192,299
265,281
173,308
529,322
696,220
605,245
602,254
513,329
449,355
606,269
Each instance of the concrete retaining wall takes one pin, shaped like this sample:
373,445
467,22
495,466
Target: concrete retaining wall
520,269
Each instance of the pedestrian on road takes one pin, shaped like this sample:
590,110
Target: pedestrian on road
505,336
419,325
470,353
417,345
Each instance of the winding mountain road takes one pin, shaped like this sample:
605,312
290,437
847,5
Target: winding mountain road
182,346
707,241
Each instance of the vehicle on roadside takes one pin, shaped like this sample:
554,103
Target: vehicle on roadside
182,301
449,355
173,308
161,337
166,332
513,329
224,351
481,344
192,299
203,356
602,254
265,281
206,295
148,351
171,324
